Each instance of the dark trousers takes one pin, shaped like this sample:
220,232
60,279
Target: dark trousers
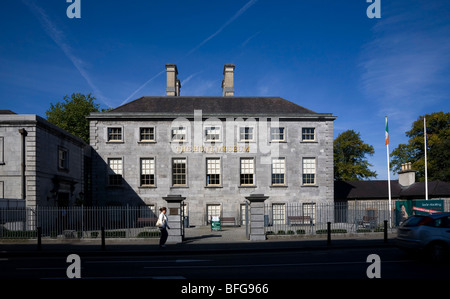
164,236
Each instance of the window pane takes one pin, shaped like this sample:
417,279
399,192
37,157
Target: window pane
179,133
212,133
114,134
246,133
147,134
277,134
308,134
309,171
179,171
278,171
147,172
247,171
278,214
115,176
213,171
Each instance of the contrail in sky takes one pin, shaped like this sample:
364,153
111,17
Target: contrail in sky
227,23
58,37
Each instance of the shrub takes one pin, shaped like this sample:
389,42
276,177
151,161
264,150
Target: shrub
333,231
149,234
115,234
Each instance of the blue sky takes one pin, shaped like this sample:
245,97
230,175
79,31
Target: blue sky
325,55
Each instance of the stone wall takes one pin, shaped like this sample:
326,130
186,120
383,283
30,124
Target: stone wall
230,195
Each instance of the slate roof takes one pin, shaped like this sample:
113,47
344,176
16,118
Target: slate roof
216,106
348,190
7,112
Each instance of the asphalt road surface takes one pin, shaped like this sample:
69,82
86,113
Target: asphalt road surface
316,264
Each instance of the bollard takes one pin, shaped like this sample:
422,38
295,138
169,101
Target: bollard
328,233
39,238
103,238
385,231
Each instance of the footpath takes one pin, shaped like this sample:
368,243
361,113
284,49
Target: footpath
198,240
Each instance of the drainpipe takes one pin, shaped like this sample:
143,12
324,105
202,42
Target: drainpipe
24,134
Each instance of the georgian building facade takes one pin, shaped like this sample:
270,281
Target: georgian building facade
214,151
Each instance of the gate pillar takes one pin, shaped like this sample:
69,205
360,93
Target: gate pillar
175,218
257,232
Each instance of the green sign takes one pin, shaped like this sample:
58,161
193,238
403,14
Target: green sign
215,223
425,207
406,208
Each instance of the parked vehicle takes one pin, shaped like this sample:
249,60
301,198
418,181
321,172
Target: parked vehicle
429,234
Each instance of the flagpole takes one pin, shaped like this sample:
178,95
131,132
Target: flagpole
425,139
389,172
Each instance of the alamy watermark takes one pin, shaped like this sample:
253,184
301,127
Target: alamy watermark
262,136
374,9
74,9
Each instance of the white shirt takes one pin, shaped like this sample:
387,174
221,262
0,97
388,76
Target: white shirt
163,220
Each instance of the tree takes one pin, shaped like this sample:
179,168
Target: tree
438,148
350,161
70,114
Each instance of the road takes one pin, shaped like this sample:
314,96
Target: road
301,264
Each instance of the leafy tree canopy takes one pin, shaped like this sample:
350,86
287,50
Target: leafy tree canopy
438,148
70,114
350,163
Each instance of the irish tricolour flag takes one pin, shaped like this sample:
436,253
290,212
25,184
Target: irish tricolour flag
386,134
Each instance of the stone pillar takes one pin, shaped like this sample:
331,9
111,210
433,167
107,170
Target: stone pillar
175,218
257,232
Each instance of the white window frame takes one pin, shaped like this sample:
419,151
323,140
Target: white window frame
110,134
306,133
213,168
175,182
175,134
243,133
147,168
278,213
115,169
278,166
150,133
213,210
246,169
275,131
217,130
309,171
63,158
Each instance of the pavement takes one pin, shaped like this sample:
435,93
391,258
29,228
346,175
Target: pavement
198,240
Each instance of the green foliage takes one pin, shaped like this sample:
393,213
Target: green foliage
70,114
438,148
350,163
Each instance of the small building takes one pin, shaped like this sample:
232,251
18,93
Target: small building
214,151
371,197
40,163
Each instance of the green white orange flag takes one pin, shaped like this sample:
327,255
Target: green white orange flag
386,134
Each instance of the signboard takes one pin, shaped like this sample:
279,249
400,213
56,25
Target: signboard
215,223
425,207
406,208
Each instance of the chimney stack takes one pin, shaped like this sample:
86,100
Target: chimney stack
407,176
228,81
173,84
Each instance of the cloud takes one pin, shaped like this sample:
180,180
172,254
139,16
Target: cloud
59,38
405,66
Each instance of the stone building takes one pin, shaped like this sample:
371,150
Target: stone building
40,163
214,151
